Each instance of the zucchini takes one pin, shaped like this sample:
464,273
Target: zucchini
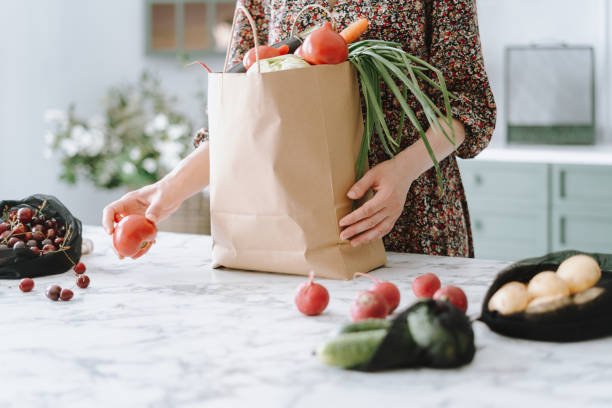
351,350
366,325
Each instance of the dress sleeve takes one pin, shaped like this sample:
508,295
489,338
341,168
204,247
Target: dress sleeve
456,51
242,37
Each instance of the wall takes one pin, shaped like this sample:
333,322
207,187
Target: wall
522,22
56,52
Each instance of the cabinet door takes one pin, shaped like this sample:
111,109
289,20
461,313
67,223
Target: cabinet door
508,205
509,234
582,230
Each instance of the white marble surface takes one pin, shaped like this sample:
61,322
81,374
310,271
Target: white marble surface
167,331
595,155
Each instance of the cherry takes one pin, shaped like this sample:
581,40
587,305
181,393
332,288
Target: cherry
48,248
61,231
4,226
13,216
38,228
12,241
66,295
27,236
82,281
5,235
51,223
58,241
38,235
79,268
53,292
25,214
47,242
32,243
35,250
19,229
26,285
19,245
50,233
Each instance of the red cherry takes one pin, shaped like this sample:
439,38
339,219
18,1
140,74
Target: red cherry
79,268
53,292
66,295
25,214
26,284
82,281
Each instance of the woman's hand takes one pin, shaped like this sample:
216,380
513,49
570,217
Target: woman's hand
155,201
377,216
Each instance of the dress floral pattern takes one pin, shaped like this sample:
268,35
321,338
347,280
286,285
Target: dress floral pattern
443,32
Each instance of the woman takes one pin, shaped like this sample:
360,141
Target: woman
407,209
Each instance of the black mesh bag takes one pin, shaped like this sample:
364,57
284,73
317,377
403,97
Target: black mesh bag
567,324
24,263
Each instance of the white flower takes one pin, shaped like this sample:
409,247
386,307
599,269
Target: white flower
69,147
55,116
96,121
175,132
160,122
128,168
135,154
77,132
149,165
169,153
50,138
96,142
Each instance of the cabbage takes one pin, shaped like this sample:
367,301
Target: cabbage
280,63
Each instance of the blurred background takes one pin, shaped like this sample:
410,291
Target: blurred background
95,100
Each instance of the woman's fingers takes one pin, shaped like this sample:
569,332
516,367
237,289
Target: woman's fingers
365,211
379,231
131,203
363,225
108,216
362,186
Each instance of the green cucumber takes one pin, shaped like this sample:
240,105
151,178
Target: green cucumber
366,325
350,350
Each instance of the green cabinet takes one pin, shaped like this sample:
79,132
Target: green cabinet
520,210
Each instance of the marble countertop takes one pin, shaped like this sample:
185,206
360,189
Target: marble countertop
596,154
168,331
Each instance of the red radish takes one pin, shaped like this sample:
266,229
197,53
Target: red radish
454,295
369,305
387,289
311,298
424,286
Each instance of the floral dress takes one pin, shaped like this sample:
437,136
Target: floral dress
443,32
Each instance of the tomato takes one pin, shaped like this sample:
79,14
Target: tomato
265,51
134,235
324,46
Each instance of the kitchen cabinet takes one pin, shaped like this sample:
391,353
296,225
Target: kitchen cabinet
520,210
188,27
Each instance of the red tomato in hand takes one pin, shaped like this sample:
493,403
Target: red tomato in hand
134,235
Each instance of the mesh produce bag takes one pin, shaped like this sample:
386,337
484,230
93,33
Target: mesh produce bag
23,262
570,323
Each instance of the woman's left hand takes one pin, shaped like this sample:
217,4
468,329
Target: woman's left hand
377,216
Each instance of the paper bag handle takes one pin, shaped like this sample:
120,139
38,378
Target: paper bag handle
240,8
310,7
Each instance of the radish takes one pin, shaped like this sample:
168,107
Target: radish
454,295
369,305
424,286
387,289
311,298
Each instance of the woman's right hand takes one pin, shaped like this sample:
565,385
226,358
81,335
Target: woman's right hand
154,201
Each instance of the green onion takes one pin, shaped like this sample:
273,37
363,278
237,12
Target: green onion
379,62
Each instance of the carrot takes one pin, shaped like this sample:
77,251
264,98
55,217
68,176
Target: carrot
355,30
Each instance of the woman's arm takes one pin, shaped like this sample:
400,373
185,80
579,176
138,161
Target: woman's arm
159,200
391,181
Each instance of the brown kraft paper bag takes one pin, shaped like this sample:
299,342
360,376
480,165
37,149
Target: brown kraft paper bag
283,147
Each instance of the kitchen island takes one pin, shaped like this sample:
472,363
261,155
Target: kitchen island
169,331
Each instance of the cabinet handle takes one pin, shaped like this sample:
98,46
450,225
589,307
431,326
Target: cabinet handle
562,230
562,184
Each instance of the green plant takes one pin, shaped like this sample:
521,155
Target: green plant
139,138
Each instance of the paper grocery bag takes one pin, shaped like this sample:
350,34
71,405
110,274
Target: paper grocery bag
283,147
